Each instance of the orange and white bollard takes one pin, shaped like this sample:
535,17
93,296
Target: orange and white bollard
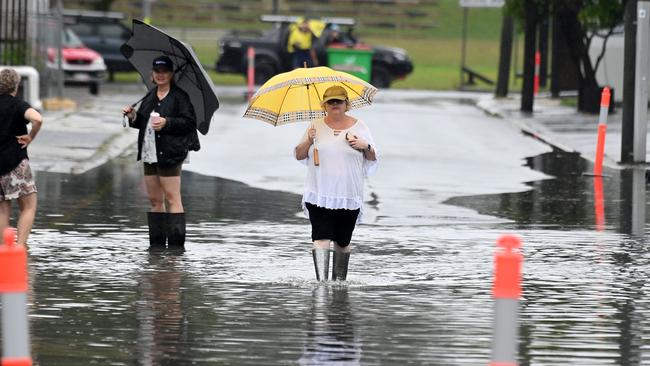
602,130
13,291
538,62
506,292
251,71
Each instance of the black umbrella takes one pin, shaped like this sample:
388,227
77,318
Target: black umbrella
148,42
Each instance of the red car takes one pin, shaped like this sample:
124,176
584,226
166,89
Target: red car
81,65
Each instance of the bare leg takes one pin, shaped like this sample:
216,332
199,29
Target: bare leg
322,244
27,206
155,193
340,249
5,214
171,186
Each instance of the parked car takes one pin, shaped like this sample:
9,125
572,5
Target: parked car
80,64
104,32
272,57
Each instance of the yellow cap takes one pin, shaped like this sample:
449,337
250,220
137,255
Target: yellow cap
335,92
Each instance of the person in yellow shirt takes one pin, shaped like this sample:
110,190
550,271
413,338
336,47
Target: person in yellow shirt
299,45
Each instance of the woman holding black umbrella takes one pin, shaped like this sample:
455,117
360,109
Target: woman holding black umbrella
167,125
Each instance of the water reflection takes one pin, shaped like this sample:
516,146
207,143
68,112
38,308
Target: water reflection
571,199
330,337
629,304
113,195
633,202
160,311
244,294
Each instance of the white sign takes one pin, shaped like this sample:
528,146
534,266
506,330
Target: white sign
482,3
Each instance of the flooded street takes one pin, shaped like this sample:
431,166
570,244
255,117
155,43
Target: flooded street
452,180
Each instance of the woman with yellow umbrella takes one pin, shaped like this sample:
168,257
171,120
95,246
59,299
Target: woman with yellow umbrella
338,149
333,196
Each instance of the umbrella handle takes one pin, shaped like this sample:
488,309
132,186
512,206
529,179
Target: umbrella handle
316,160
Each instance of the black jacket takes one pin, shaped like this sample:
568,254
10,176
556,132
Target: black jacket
179,134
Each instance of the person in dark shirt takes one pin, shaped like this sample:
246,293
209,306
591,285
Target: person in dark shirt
167,132
16,178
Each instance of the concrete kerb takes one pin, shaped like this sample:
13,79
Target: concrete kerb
79,139
549,112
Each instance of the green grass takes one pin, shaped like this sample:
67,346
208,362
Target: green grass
436,62
435,49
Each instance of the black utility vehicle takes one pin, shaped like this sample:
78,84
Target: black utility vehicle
104,32
271,56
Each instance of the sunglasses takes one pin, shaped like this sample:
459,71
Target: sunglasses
334,101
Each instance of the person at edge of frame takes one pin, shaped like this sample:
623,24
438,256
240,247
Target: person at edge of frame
167,132
333,195
16,177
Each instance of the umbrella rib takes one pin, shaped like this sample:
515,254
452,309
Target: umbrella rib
351,88
284,97
308,99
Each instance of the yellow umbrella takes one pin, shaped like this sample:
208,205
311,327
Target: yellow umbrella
296,95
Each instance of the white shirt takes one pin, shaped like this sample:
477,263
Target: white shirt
338,181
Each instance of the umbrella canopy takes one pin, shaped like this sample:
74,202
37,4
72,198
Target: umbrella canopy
148,42
296,95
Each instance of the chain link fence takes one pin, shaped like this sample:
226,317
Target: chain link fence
30,36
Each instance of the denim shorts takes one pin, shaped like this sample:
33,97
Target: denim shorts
17,183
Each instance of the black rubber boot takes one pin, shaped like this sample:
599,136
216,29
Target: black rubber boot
340,266
176,230
321,263
157,232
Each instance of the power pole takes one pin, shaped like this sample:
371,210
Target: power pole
641,80
627,131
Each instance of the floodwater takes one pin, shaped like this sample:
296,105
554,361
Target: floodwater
419,289
244,292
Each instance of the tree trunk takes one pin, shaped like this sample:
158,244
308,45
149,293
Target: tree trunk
575,37
505,55
530,36
589,99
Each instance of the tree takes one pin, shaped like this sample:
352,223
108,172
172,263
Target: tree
580,21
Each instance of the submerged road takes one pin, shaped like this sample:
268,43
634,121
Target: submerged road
432,147
451,180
